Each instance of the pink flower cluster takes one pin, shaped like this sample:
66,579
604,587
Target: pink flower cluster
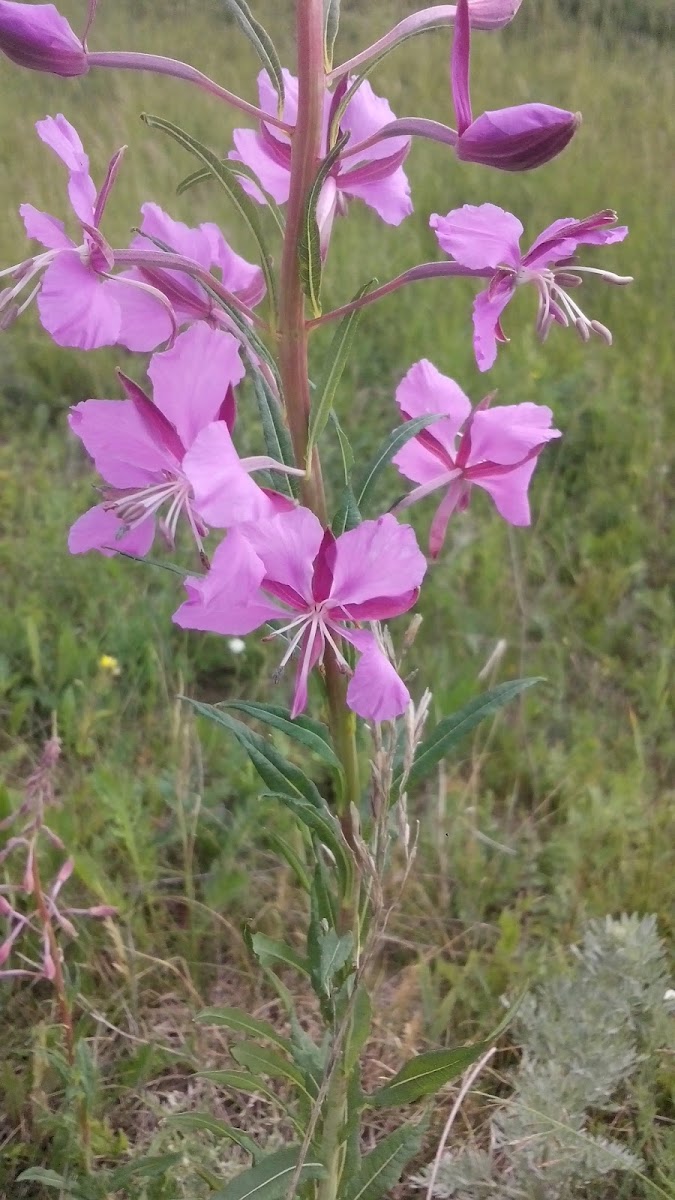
167,455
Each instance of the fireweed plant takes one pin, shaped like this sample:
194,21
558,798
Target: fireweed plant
318,574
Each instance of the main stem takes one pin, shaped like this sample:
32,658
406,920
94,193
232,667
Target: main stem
294,369
294,339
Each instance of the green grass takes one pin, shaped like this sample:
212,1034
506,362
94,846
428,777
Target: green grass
563,809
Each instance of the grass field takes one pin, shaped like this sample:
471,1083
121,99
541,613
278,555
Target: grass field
563,809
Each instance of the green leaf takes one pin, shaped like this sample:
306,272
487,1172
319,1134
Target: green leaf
205,1123
150,1167
451,729
361,1021
279,844
346,452
347,515
46,1178
311,734
241,171
242,1022
275,431
332,23
334,955
403,433
242,1081
381,1170
228,179
261,42
270,1179
268,950
262,1061
272,767
322,823
309,248
425,1074
336,359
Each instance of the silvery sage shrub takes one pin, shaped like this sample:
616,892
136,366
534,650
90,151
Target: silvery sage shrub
271,548
586,1033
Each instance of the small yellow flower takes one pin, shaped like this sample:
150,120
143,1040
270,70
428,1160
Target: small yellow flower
109,665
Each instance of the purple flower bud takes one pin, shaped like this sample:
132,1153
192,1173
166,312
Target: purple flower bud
38,37
517,138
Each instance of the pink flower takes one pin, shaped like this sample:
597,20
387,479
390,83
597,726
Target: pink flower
496,449
78,305
510,139
486,237
37,36
291,569
204,246
170,452
374,176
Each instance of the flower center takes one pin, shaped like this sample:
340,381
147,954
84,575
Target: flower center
132,506
555,303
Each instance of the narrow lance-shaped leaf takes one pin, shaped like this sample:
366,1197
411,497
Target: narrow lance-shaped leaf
311,734
336,360
262,1061
365,482
322,823
381,1170
346,452
275,432
332,19
280,846
242,171
347,515
451,729
309,249
238,1020
425,1074
268,950
205,1123
261,42
228,179
272,767
270,1179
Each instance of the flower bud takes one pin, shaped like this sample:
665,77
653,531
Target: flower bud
517,138
38,37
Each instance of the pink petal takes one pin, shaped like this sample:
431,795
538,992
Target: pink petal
446,508
269,100
75,305
47,230
193,243
424,391
487,310
228,599
274,178
237,275
191,380
509,492
61,137
224,494
479,236
145,323
390,197
418,462
508,433
376,692
288,545
364,116
115,437
64,140
378,559
98,529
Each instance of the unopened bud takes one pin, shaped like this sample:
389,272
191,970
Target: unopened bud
38,37
518,138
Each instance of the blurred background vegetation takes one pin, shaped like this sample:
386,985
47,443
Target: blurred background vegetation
564,808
